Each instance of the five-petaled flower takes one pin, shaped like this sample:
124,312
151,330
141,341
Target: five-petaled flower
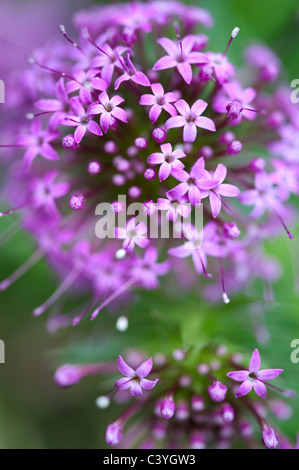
169,159
190,119
135,379
180,55
254,377
158,101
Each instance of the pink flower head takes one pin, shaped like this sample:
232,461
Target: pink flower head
168,159
254,377
158,101
108,108
147,270
107,61
190,119
86,83
180,55
135,379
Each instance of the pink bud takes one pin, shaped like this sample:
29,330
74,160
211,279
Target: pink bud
197,403
94,168
234,109
150,174
77,202
159,135
110,147
234,147
217,391
114,434
231,230
167,407
197,441
69,142
68,375
134,192
269,437
228,413
141,143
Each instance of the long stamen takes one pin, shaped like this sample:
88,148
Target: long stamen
29,263
177,31
225,297
83,314
114,296
67,282
9,232
87,36
234,34
207,276
290,235
31,60
14,209
62,29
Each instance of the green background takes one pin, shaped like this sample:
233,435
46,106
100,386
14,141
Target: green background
36,414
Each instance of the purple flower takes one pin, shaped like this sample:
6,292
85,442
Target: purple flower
37,140
146,269
190,119
174,209
107,61
220,189
199,245
82,120
219,64
197,184
131,73
135,379
114,434
180,55
86,83
265,196
134,233
235,101
45,191
158,101
108,109
169,159
254,377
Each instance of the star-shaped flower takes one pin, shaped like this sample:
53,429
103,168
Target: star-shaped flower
190,119
135,379
254,377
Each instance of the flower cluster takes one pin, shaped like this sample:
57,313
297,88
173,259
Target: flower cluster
193,405
140,90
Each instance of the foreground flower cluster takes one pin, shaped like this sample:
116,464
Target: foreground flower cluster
139,105
192,404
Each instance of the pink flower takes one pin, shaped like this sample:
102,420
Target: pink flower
220,189
134,233
131,73
180,55
82,120
108,109
45,191
235,101
135,379
219,64
169,159
190,119
254,377
158,101
197,184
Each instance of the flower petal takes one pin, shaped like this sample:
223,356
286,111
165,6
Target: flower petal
255,361
123,384
144,369
239,375
260,389
124,368
244,389
268,374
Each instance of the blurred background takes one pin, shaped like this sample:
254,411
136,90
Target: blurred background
34,413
